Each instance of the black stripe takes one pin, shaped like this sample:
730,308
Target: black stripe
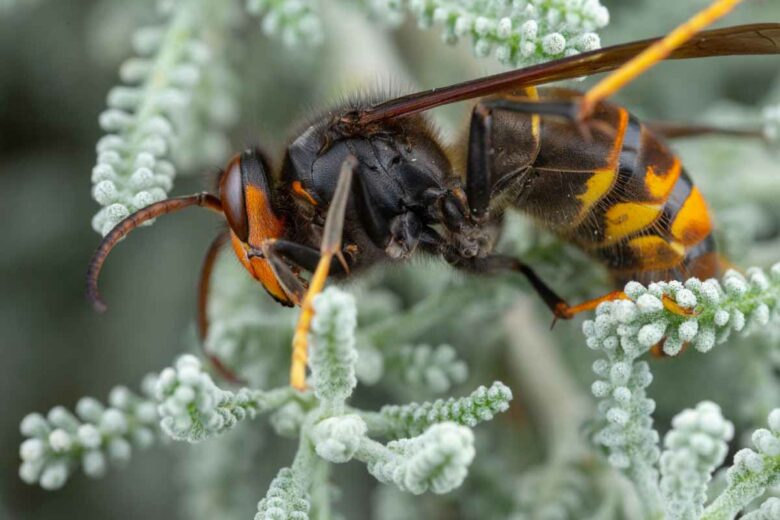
702,248
676,200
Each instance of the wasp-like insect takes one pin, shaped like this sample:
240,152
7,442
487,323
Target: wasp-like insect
370,182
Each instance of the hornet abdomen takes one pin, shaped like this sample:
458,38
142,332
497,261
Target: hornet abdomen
615,190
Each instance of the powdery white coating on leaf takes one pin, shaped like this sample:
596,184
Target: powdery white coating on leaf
423,367
174,108
769,510
295,22
192,407
752,472
336,439
332,353
716,309
694,447
481,405
518,33
437,460
96,435
286,499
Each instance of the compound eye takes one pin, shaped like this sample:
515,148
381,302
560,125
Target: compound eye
231,192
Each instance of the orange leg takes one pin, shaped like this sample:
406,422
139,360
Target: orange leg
673,307
657,350
204,287
564,311
653,54
330,247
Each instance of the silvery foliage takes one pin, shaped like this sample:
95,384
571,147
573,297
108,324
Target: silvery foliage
435,460
431,446
771,115
671,316
422,367
751,473
695,446
172,108
517,33
296,22
192,407
95,436
769,510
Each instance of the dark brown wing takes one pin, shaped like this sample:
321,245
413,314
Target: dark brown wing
760,38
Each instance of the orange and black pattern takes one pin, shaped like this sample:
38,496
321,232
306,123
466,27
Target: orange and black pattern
618,193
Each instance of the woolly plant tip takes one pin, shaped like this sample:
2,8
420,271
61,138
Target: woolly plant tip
752,472
332,353
295,22
438,460
517,34
92,438
336,439
426,368
769,510
482,405
695,446
286,499
193,408
712,311
157,115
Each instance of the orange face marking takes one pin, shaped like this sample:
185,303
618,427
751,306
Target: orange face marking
660,184
657,253
259,269
263,225
692,223
299,191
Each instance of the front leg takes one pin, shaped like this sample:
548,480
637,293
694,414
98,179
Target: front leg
330,247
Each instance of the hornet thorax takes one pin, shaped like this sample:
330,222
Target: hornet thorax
405,195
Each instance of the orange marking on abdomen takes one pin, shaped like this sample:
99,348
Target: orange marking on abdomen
656,253
603,179
692,224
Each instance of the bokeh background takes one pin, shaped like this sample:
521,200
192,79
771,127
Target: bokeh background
58,61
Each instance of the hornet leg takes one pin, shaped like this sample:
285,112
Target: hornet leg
556,304
204,287
330,247
287,259
652,55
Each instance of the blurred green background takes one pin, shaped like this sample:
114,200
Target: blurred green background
58,61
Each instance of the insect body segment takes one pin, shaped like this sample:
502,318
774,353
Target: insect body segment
617,192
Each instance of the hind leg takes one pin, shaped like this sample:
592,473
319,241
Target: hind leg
659,50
